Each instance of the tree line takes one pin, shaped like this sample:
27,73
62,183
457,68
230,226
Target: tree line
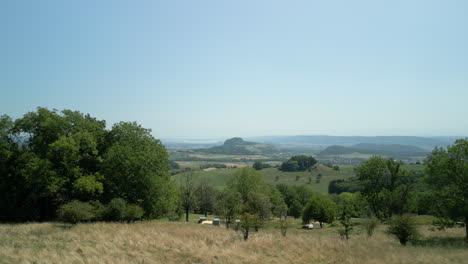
50,158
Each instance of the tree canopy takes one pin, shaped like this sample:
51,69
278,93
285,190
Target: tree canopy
298,163
51,157
447,174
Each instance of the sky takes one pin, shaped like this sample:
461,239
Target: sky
218,69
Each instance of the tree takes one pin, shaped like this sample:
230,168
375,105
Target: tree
403,228
298,163
386,186
258,204
228,206
136,167
206,197
188,192
247,222
247,180
291,199
258,165
447,174
346,209
319,208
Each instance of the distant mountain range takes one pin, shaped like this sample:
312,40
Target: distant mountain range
394,150
322,142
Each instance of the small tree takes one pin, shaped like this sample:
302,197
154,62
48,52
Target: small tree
247,222
188,192
296,209
370,226
403,228
346,211
284,223
228,206
206,197
319,208
75,211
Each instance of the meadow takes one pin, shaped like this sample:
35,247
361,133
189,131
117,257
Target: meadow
179,242
219,177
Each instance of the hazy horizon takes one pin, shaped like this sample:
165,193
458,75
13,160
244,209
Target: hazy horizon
216,69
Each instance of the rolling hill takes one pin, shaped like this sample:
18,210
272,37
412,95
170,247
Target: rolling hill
237,146
395,150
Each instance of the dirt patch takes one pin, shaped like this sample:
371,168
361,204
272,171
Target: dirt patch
209,169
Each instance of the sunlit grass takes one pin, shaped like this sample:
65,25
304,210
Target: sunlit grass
163,242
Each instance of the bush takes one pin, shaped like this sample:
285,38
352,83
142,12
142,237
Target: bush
370,226
403,228
98,211
133,212
75,211
116,209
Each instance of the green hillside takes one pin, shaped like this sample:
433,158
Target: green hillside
219,177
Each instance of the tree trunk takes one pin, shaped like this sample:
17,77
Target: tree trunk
206,213
246,234
321,224
186,215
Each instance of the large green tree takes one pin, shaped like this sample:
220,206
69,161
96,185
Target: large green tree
136,167
447,174
319,208
386,187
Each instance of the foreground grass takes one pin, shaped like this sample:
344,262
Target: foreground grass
159,242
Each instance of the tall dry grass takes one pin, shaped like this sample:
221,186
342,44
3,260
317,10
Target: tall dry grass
156,242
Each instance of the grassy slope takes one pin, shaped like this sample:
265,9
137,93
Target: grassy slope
162,242
219,177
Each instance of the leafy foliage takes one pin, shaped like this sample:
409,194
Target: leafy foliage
258,165
447,174
48,158
386,186
133,212
75,211
115,210
319,208
403,228
298,163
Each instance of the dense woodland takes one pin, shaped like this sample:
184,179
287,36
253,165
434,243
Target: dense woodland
64,165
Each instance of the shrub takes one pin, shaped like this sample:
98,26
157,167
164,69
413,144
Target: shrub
75,211
98,211
403,228
370,226
115,210
133,212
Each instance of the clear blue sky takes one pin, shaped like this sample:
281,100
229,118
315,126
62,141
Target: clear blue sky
201,69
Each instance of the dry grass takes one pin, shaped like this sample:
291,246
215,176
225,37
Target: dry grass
157,242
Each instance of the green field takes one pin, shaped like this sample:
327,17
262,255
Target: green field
219,177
